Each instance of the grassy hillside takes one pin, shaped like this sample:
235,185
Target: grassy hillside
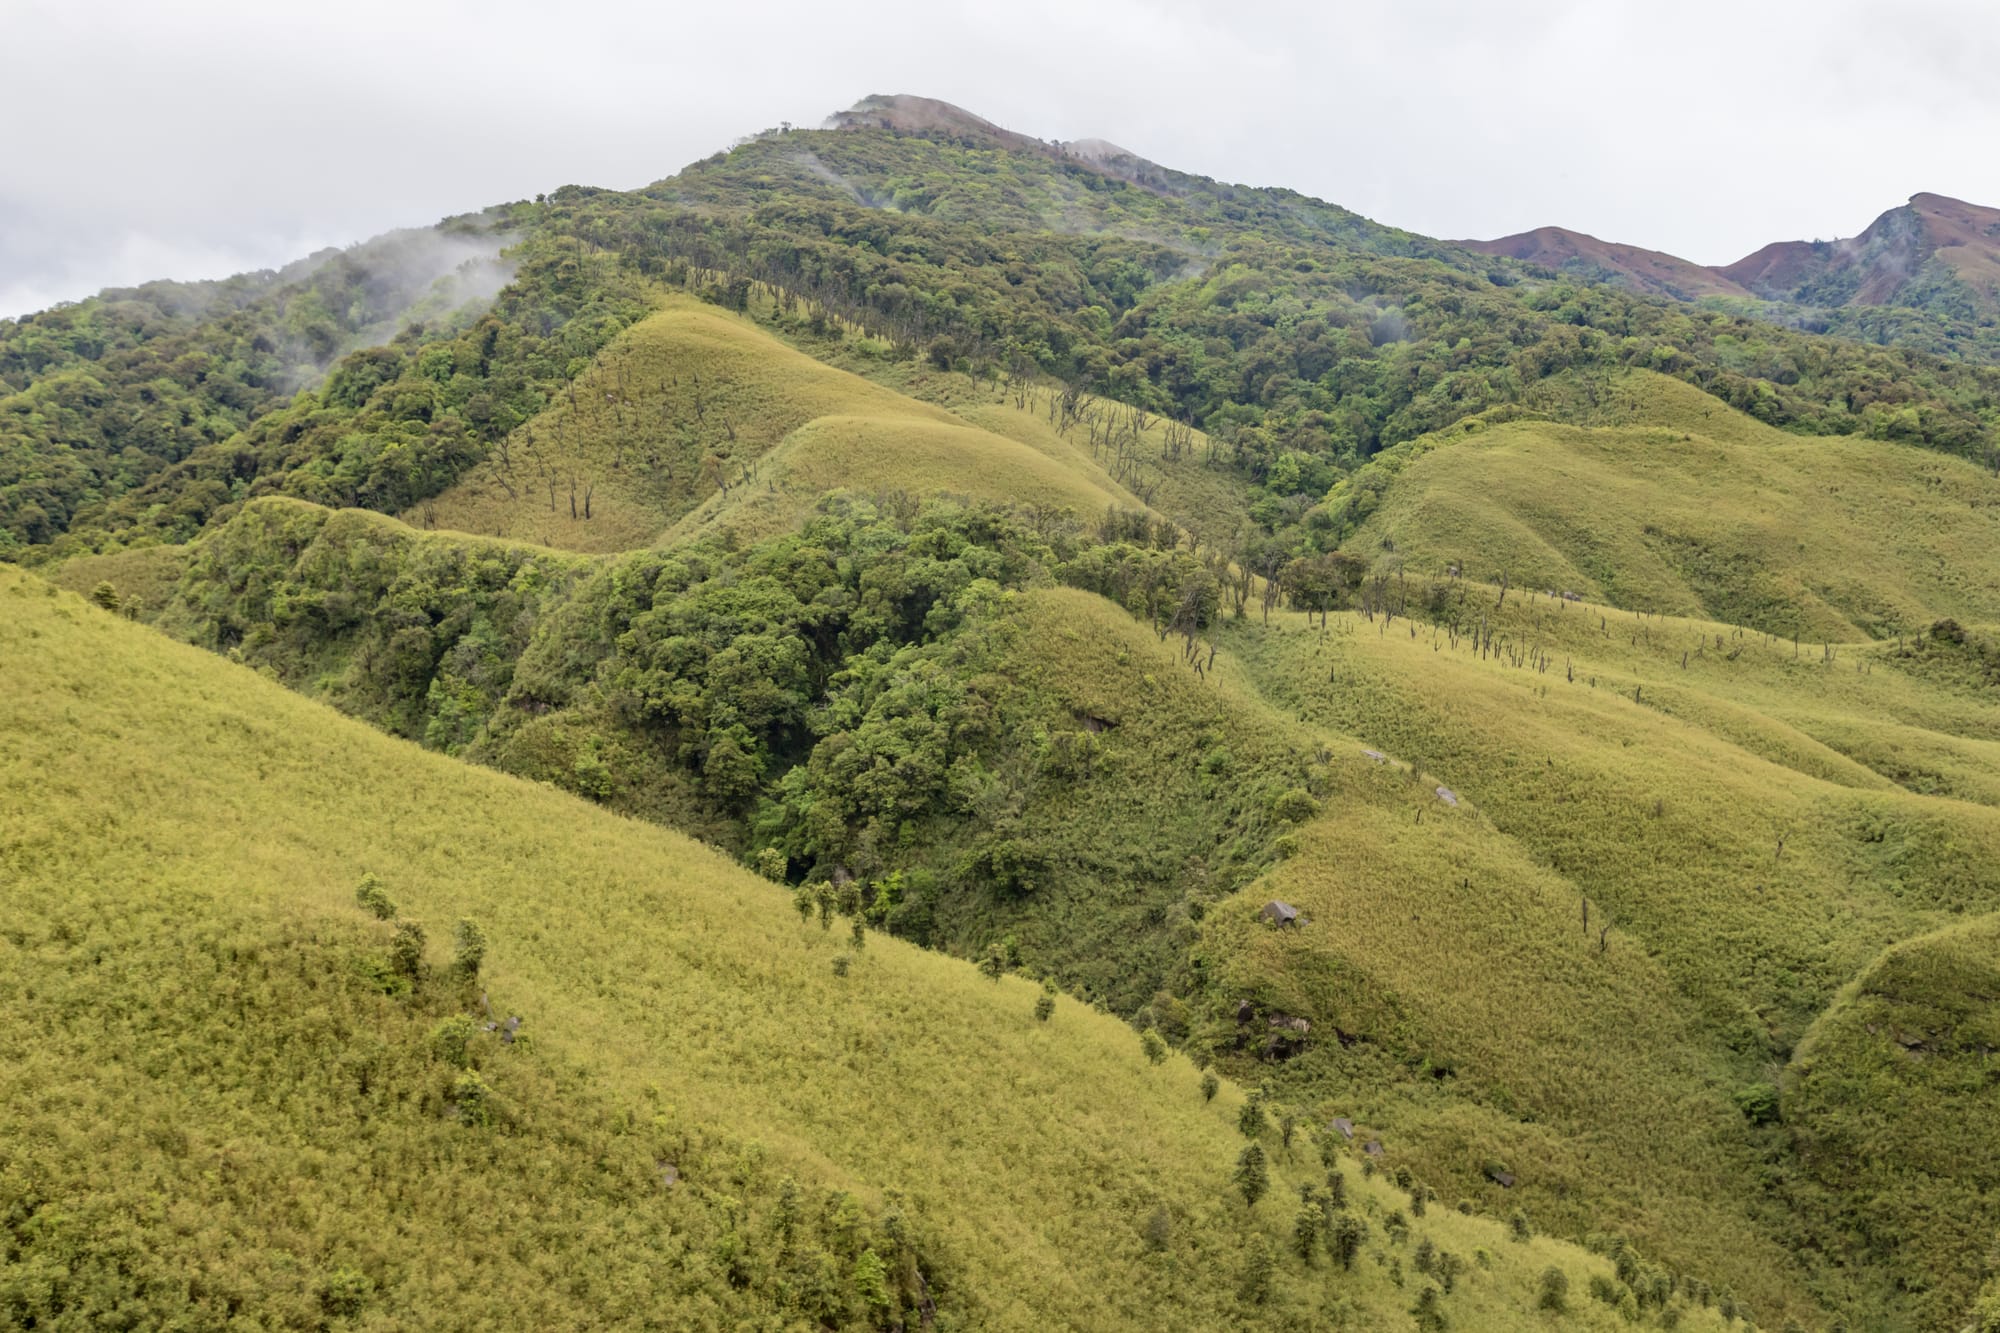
888,508
695,417
1174,469
1052,780
1455,1007
1748,869
1676,505
1892,1096
1038,773
209,1041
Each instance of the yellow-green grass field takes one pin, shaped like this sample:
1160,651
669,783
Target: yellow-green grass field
1481,1024
696,416
1679,505
1168,468
143,578
214,1111
1750,853
1677,838
1893,1095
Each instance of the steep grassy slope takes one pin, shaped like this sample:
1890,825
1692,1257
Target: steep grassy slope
1756,868
1052,779
209,1042
1675,504
696,417
142,579
1892,1097
1173,468
1454,1005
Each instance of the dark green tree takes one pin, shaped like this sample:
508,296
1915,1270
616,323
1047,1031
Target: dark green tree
1258,1266
1251,1121
374,899
470,943
1349,1232
1305,1228
406,950
1253,1175
1429,1310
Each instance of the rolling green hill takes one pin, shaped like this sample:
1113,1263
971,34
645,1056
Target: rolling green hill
1749,870
230,1094
99,397
1011,767
1669,503
695,417
1880,1094
1301,338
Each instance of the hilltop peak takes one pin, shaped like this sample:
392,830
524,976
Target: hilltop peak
910,114
1925,199
1955,239
905,113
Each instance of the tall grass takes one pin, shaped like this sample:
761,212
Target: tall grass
214,1107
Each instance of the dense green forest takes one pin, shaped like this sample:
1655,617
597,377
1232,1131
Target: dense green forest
1299,337
100,397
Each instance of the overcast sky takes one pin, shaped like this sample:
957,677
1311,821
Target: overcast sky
195,138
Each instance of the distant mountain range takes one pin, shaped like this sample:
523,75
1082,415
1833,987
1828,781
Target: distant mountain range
1933,253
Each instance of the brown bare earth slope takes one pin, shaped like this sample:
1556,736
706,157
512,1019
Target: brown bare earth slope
1930,238
1628,265
1934,252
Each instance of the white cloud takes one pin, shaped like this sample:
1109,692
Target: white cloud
199,135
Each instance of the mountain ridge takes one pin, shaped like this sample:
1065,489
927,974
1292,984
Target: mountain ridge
1933,252
1652,271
